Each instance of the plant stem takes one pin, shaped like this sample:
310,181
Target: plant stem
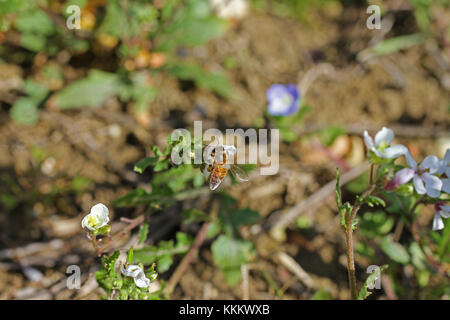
349,237
371,173
351,262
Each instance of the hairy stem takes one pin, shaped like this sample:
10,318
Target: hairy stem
349,237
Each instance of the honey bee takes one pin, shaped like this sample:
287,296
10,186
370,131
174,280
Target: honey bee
219,166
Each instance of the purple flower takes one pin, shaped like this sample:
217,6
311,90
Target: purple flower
284,100
442,211
423,179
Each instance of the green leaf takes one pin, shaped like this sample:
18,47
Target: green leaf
229,254
394,250
143,232
242,216
163,253
193,25
418,259
88,92
161,165
216,82
213,230
144,164
322,294
329,134
164,263
35,90
392,45
24,111
130,255
374,201
375,224
183,240
115,22
370,281
194,215
33,42
343,209
35,21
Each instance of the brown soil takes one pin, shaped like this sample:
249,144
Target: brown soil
103,145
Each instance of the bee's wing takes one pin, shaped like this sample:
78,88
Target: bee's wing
239,173
215,181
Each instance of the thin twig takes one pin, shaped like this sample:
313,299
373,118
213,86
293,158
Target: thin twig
289,263
198,241
182,267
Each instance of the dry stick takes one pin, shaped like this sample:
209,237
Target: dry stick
349,238
181,269
281,220
289,263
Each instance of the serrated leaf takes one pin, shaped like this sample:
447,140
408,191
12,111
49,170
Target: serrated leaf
144,164
374,201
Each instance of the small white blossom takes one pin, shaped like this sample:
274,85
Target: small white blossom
381,145
97,218
442,211
137,274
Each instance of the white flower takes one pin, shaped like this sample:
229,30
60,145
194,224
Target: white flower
444,168
381,147
442,211
423,179
137,274
227,9
97,218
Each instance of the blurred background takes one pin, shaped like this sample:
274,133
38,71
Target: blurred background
80,107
